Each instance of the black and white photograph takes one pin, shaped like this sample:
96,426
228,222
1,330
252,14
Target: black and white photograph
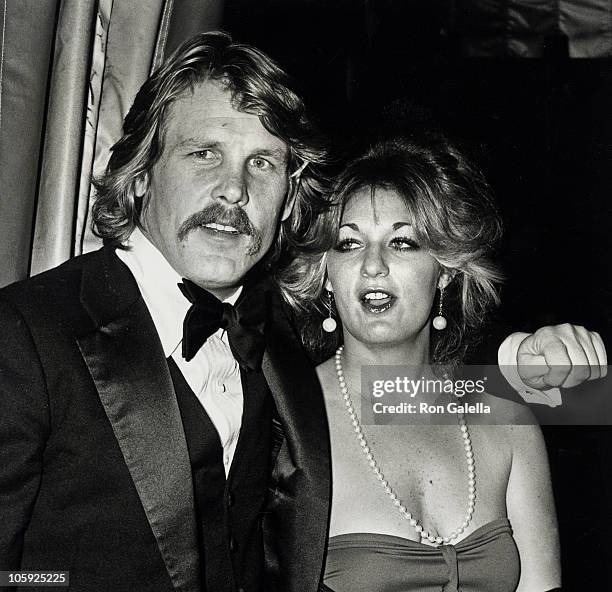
305,295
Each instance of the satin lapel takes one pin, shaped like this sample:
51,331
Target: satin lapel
299,513
127,363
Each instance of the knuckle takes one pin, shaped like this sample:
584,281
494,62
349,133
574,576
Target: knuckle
543,331
582,372
580,331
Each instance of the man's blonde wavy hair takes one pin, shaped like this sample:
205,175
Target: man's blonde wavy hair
258,86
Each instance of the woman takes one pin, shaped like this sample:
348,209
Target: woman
466,507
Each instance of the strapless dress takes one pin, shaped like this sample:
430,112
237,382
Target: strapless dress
485,561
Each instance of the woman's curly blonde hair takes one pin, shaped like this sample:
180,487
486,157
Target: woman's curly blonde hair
454,217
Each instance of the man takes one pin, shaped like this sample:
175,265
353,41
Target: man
138,452
115,449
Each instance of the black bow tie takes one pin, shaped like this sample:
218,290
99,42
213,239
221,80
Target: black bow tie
244,324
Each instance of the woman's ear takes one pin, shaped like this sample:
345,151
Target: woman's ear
141,185
328,285
444,279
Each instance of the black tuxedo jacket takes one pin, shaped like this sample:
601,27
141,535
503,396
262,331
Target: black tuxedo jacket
94,470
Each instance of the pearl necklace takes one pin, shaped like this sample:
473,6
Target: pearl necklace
367,451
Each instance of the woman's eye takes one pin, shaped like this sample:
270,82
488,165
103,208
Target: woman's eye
348,244
402,243
260,163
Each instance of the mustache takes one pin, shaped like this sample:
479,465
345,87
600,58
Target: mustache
219,214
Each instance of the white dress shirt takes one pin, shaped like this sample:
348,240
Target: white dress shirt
213,374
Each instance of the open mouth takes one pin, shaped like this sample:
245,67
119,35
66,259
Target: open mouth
220,228
377,301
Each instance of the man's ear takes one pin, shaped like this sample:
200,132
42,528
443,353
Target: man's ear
444,279
141,185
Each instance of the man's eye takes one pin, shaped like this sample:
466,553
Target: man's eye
204,155
402,243
348,244
260,163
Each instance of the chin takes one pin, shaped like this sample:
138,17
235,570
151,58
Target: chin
215,275
387,334
376,336
386,339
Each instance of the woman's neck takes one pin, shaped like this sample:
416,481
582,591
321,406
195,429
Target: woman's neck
412,357
357,354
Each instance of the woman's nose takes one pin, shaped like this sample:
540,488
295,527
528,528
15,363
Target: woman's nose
374,263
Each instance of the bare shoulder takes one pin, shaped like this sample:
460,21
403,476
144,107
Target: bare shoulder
513,423
502,411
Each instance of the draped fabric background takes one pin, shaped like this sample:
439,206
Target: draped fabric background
528,28
25,46
69,70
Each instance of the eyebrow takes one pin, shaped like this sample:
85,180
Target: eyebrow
273,152
350,225
355,227
196,143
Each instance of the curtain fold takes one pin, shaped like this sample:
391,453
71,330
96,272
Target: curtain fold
26,39
190,17
132,38
61,164
94,96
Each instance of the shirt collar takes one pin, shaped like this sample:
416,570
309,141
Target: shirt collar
158,283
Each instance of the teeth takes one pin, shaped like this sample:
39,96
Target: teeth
376,296
215,226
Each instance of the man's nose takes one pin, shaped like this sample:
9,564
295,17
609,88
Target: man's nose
374,263
231,185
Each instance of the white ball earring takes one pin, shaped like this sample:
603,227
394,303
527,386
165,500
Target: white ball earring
329,324
439,321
